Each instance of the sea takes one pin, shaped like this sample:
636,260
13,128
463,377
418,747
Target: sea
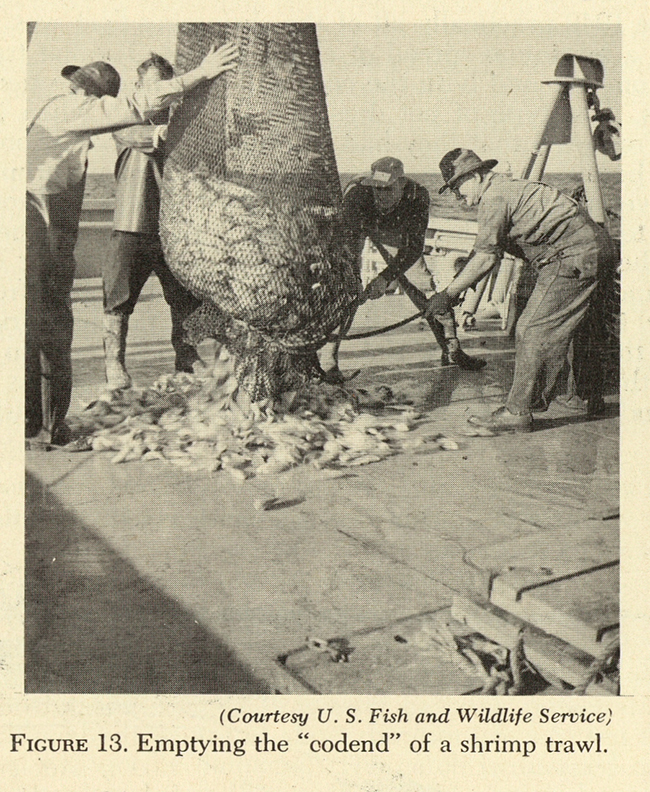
102,185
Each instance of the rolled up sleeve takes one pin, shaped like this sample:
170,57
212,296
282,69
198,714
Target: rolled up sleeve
493,221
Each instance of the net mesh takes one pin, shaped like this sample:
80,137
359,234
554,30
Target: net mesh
248,202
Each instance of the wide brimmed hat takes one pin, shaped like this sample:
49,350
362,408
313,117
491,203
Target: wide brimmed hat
458,163
384,173
98,78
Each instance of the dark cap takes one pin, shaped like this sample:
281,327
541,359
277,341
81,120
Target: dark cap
97,78
384,173
460,162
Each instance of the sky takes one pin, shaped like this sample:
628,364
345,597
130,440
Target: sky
411,91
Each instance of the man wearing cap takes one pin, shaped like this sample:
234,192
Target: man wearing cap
58,140
574,257
392,210
136,250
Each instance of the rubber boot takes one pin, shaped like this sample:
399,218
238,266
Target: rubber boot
115,331
329,354
186,355
455,354
443,328
188,360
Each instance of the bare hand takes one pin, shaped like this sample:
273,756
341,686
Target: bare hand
219,60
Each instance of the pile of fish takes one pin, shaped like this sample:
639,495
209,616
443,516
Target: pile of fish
208,423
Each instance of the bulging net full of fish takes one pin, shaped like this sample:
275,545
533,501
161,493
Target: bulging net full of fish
266,263
248,202
210,424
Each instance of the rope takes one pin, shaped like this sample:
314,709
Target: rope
354,305
371,333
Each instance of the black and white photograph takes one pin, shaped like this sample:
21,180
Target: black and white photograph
322,339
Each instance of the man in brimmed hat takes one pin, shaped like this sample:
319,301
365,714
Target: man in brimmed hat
58,140
574,257
393,211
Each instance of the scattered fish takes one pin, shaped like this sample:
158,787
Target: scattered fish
205,423
277,503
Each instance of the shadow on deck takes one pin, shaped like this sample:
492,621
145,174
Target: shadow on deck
93,624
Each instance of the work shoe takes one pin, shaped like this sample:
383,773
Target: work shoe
116,327
574,403
335,376
466,362
593,407
596,407
186,359
36,444
502,420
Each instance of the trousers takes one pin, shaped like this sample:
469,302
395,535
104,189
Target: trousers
134,257
562,314
52,224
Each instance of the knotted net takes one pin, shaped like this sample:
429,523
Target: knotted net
248,202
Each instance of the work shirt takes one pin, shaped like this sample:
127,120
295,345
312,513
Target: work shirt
403,227
59,139
138,172
529,220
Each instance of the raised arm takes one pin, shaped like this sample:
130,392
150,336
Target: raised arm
109,113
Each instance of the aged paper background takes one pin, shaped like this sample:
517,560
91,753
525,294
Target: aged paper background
624,767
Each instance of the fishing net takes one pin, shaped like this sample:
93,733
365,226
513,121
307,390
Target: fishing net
248,203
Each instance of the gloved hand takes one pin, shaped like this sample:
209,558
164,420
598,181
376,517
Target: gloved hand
376,288
438,304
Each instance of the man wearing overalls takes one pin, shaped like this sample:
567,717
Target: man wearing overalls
575,258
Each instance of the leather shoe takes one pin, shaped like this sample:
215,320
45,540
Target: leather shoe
468,322
502,420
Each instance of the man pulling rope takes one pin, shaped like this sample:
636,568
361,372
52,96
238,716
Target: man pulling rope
392,210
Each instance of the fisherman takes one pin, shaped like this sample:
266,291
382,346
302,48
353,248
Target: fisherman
58,140
574,257
136,248
392,210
